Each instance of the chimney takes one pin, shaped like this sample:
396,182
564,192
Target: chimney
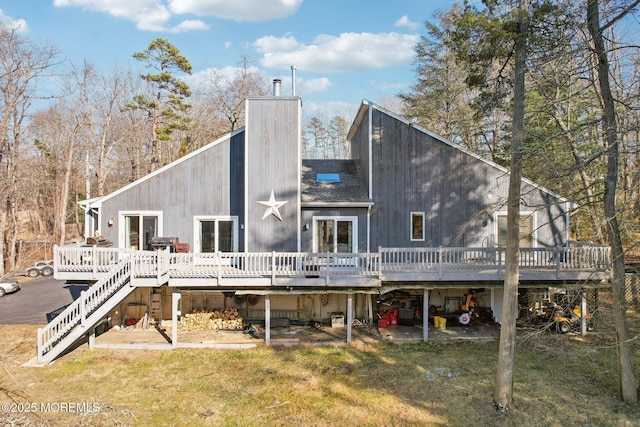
293,80
276,87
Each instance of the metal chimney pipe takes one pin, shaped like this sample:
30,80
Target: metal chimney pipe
276,87
293,80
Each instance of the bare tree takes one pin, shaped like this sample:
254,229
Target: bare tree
337,135
109,130
60,131
228,93
22,65
317,139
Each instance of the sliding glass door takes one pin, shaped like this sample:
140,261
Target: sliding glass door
138,228
335,234
216,234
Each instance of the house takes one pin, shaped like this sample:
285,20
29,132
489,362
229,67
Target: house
410,215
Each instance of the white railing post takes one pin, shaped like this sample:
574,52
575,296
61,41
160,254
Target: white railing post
130,254
218,265
40,345
56,261
158,267
83,308
326,277
558,255
273,268
94,260
440,262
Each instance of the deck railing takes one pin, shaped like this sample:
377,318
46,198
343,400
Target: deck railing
163,264
259,264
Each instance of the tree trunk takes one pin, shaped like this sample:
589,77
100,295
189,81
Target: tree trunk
503,395
2,247
64,191
627,383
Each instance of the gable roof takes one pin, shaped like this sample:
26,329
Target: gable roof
97,201
363,113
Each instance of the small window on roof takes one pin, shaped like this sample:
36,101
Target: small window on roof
328,177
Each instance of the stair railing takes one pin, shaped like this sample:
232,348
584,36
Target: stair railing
78,312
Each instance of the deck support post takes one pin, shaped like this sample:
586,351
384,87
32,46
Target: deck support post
583,313
176,296
267,319
349,316
369,309
425,315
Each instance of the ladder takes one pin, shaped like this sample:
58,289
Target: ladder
156,309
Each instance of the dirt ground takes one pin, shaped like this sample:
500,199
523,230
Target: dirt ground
291,335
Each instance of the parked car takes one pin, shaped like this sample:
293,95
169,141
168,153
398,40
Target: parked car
44,268
9,286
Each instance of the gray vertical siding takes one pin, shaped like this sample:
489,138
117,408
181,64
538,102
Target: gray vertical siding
360,142
209,183
458,192
412,171
273,163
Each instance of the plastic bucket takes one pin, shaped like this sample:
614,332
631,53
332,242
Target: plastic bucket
443,323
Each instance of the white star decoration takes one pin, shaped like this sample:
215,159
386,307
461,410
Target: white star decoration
272,207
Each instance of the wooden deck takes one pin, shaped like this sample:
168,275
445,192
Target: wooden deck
348,270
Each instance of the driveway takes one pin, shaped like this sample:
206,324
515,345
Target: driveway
37,298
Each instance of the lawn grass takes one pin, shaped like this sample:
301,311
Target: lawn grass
560,380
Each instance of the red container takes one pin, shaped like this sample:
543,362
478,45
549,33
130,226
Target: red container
383,323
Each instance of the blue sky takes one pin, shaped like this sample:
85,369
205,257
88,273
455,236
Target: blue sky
344,51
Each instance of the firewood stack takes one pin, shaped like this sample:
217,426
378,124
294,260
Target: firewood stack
211,320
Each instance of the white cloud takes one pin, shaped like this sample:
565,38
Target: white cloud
19,25
205,78
224,76
149,15
237,10
305,87
405,22
156,15
347,52
189,25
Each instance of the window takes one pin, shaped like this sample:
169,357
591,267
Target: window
526,230
338,234
417,226
328,177
216,234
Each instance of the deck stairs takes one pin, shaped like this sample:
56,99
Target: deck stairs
81,316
